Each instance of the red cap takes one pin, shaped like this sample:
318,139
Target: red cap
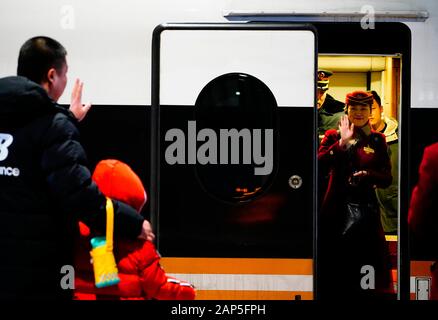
359,98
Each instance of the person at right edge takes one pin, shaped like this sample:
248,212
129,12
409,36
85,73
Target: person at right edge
353,259
45,186
423,211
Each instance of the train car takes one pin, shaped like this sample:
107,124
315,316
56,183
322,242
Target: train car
173,82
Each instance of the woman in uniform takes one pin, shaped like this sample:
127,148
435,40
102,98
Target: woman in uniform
353,258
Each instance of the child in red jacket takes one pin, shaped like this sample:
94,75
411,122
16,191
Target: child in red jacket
141,276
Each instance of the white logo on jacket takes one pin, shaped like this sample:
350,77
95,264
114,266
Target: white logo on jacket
5,142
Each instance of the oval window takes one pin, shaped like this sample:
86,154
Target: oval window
235,117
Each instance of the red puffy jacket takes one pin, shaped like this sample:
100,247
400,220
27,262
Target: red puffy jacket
140,273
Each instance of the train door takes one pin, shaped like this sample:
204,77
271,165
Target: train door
233,157
374,60
366,252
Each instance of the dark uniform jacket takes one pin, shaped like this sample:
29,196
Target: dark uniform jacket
364,243
329,114
45,188
369,153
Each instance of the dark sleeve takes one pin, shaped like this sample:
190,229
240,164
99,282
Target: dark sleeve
330,152
424,195
64,165
380,176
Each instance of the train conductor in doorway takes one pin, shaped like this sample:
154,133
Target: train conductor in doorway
351,234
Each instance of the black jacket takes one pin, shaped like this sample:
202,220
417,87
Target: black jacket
45,188
329,115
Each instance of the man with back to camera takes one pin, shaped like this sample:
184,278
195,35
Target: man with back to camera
45,184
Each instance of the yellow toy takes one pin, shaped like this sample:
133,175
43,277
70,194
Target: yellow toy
104,263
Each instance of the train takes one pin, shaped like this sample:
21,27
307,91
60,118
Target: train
171,81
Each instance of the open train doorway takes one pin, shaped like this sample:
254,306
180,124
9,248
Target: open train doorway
366,90
378,64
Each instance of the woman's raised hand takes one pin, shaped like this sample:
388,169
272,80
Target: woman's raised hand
346,130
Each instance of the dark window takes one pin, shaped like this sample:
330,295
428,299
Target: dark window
242,102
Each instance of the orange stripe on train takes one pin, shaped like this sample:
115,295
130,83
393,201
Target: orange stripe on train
238,265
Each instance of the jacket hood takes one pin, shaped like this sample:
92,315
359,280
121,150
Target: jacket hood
391,129
22,100
118,181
